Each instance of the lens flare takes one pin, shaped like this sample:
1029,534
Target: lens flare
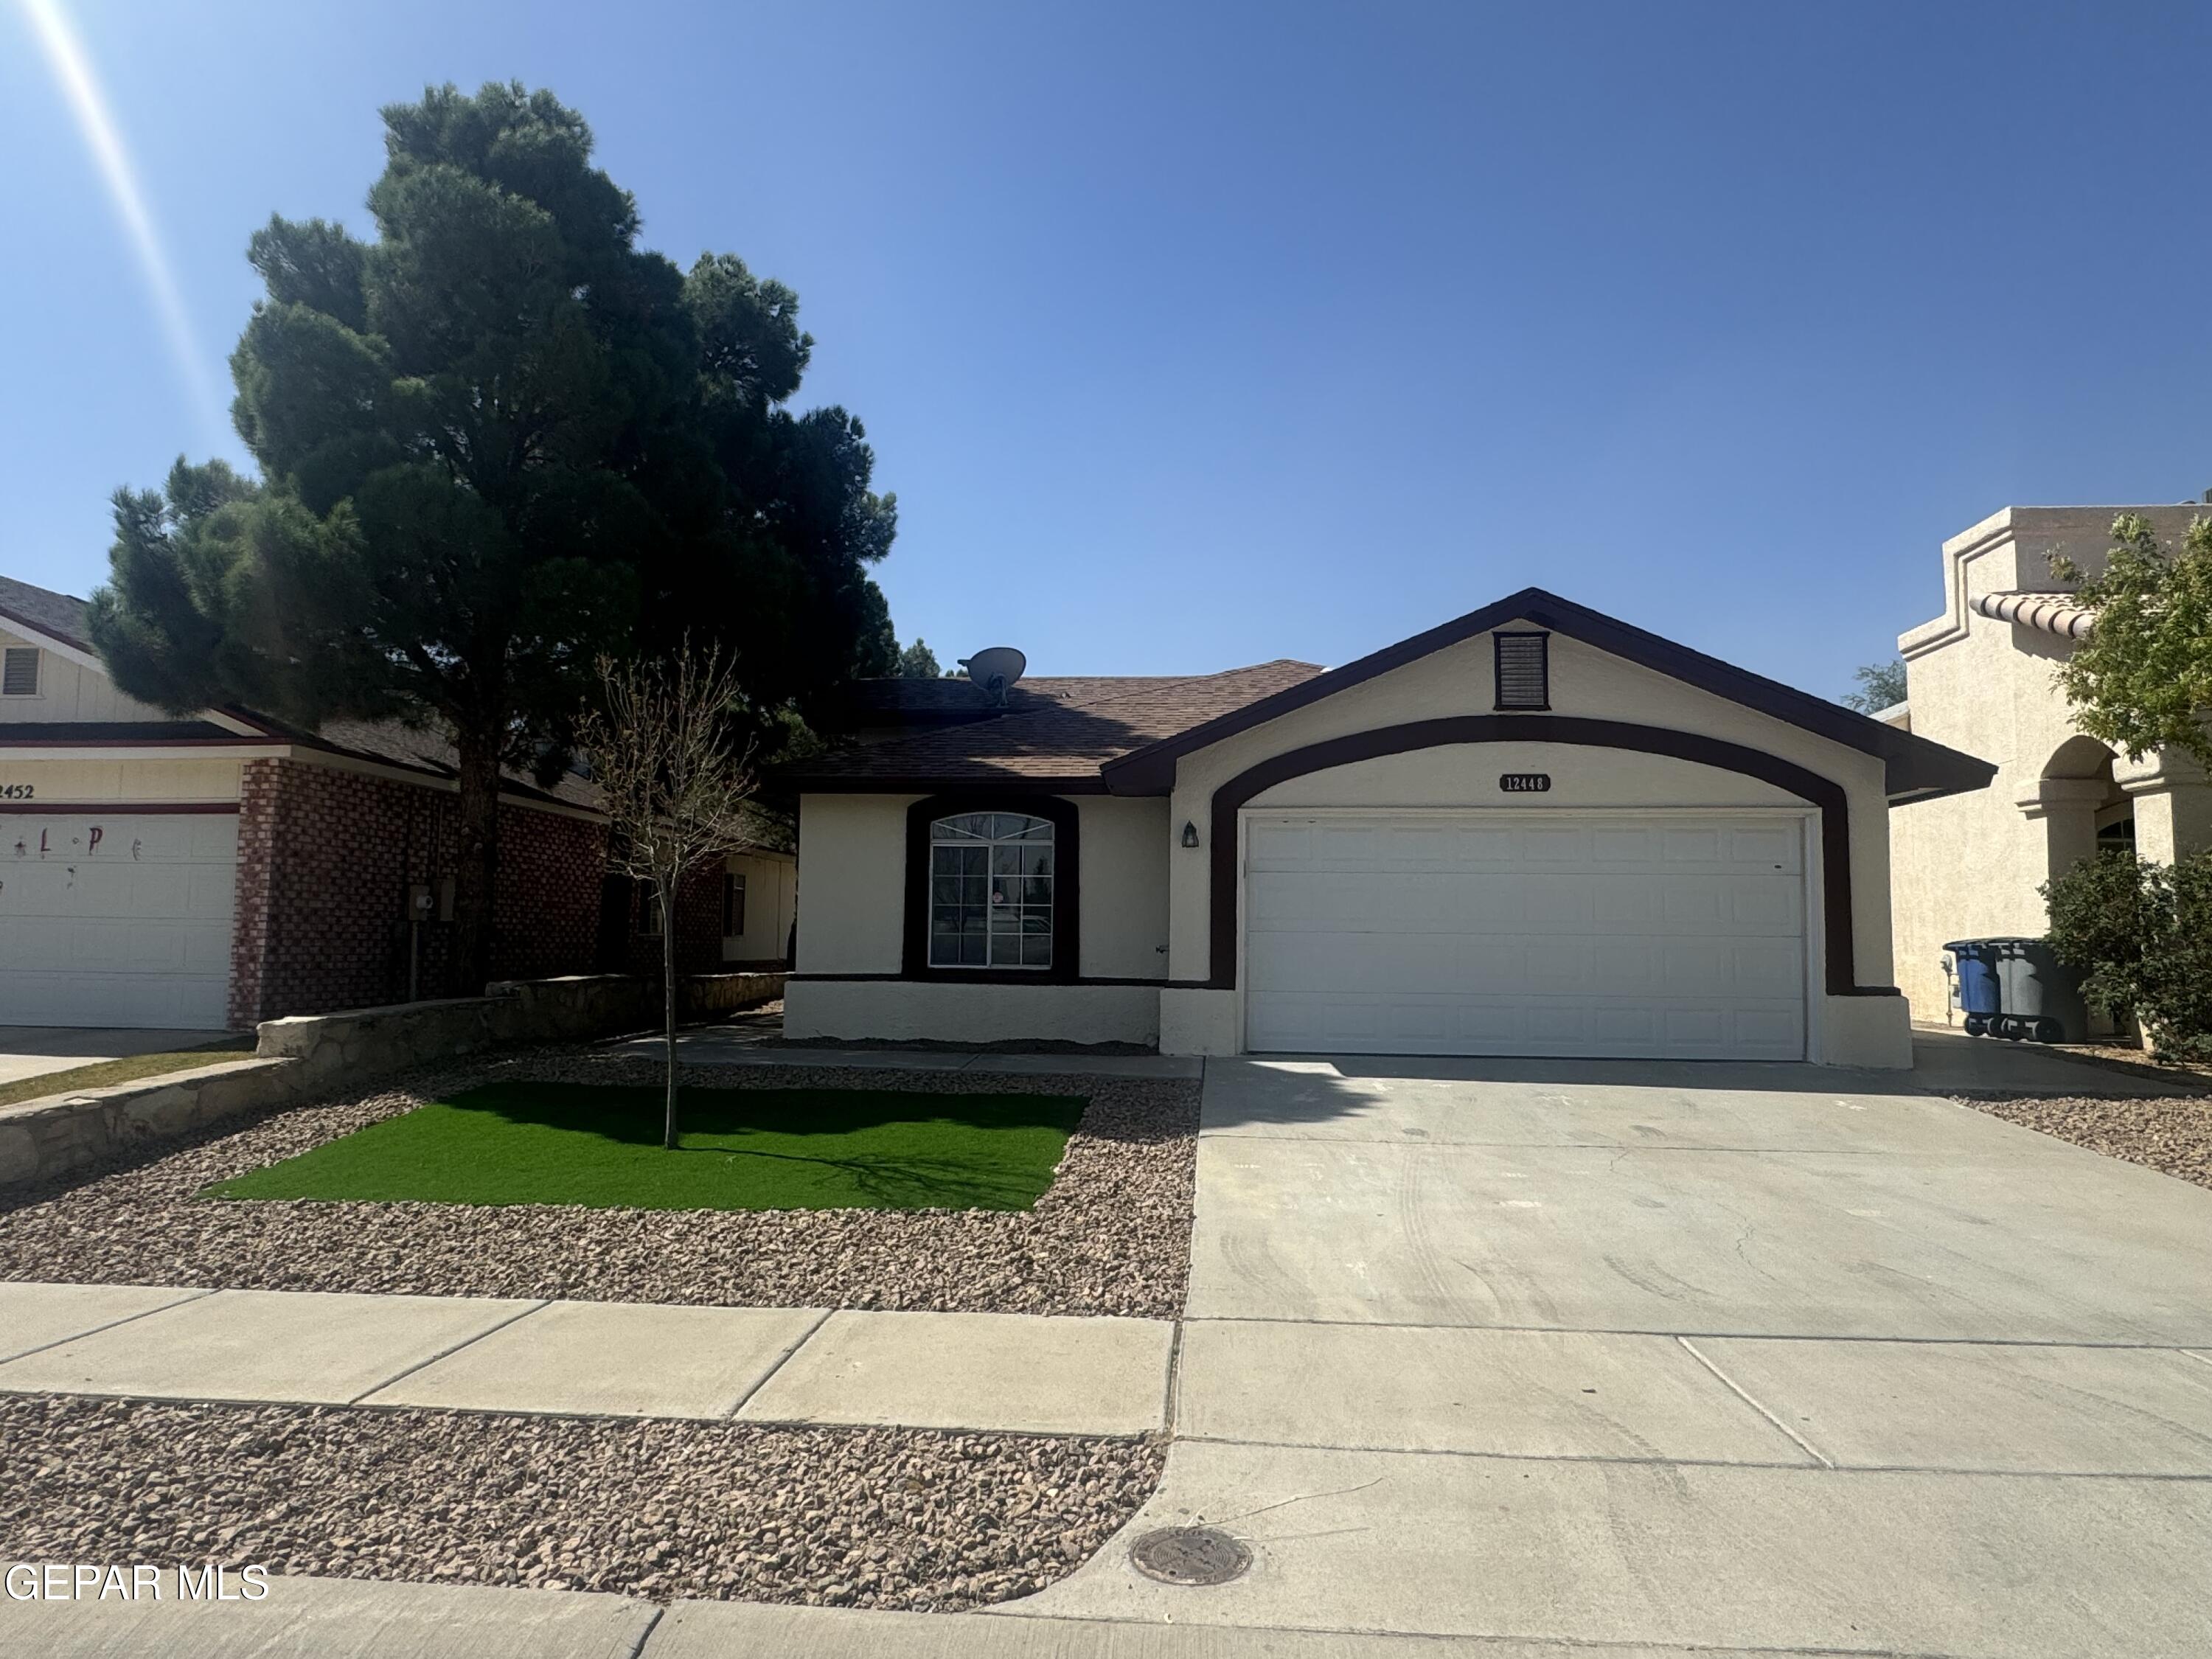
72,70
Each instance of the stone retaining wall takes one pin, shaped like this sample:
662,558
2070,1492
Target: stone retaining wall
300,1057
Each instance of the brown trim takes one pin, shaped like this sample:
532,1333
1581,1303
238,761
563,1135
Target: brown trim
998,789
242,740
999,977
1067,890
1823,793
1914,766
120,808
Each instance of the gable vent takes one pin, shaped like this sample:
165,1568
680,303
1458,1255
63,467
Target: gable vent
1524,672
19,677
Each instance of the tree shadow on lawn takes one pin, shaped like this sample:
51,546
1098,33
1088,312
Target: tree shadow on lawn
599,1144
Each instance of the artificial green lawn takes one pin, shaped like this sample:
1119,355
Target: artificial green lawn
741,1149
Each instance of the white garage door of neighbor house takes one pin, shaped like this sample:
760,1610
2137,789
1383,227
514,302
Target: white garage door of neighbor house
1652,935
129,925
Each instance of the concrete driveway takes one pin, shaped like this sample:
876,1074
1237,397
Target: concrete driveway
1735,1357
34,1050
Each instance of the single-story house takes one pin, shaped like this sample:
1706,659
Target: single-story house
1981,678
1533,830
213,871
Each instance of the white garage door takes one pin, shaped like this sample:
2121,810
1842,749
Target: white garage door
1528,933
121,920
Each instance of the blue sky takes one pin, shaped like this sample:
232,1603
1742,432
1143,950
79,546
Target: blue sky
1195,335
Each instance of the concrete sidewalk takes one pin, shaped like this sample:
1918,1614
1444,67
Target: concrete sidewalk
993,1372
28,1051
366,1619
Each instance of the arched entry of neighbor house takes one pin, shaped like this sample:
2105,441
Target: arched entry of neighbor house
2081,809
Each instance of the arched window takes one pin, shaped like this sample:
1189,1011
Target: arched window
990,891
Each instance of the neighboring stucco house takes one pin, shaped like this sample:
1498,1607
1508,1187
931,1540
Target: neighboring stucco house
218,870
1981,678
1533,830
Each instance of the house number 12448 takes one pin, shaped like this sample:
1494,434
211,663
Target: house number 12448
1524,783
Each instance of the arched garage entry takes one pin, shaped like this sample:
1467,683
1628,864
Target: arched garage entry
1494,924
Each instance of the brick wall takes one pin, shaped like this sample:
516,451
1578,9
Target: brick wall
325,861
545,910
698,927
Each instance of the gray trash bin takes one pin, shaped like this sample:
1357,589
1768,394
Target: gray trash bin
2042,996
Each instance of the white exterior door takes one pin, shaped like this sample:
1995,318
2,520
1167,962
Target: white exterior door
117,920
1661,934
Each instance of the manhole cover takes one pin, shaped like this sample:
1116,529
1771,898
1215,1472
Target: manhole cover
1189,1555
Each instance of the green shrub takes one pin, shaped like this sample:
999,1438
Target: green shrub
2142,933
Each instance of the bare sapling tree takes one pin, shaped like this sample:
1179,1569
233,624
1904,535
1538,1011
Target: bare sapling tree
673,777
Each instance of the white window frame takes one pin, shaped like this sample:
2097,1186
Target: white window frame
1017,834
38,669
734,904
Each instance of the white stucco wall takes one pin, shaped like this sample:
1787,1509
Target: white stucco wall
852,852
852,865
1125,846
935,1010
771,892
1969,866
1466,775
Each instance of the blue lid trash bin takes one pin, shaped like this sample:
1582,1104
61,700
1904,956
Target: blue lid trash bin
1979,994
2017,988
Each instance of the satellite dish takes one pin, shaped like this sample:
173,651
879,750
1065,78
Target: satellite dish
995,670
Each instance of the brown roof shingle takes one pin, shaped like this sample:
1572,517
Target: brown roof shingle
1064,731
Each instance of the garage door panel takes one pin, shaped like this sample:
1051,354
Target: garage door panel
1567,935
1782,849
129,926
1630,1027
155,890
1273,846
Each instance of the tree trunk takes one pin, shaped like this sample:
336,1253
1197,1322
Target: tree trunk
479,864
667,899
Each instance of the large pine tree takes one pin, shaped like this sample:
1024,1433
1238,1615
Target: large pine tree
495,442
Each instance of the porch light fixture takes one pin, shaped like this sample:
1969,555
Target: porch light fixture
1189,833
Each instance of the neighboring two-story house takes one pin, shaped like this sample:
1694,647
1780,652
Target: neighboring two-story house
1981,678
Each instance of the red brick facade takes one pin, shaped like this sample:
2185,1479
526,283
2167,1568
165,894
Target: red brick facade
698,927
325,862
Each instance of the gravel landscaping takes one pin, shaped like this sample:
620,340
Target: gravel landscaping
1111,1235
2171,1134
873,1518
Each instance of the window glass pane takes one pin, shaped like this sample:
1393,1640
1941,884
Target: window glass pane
990,893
